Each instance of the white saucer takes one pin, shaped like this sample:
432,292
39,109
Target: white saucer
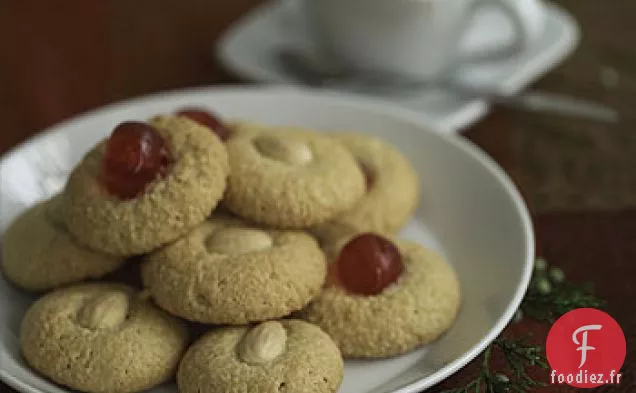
248,48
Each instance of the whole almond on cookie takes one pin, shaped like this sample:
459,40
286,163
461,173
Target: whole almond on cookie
287,150
231,272
263,343
290,179
101,338
104,311
275,356
239,240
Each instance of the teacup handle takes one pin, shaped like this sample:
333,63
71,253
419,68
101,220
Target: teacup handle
527,18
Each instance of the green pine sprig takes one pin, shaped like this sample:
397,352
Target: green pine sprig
548,298
519,354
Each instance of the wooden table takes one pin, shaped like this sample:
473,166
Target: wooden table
61,58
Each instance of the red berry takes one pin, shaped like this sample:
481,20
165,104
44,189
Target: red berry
207,119
135,156
368,264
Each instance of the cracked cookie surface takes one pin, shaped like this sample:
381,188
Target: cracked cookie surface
414,311
101,338
229,272
169,208
289,178
392,193
308,362
39,254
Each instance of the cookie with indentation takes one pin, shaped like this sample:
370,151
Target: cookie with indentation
38,253
414,311
286,178
101,338
392,193
230,272
272,357
170,206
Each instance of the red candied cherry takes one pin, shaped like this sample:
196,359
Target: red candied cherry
135,156
207,119
368,264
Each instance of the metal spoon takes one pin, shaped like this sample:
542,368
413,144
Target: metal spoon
312,73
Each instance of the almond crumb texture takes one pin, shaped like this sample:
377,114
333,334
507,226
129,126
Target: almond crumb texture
392,188
168,209
229,272
101,338
306,360
414,311
39,254
289,178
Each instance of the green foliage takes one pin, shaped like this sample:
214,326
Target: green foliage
549,297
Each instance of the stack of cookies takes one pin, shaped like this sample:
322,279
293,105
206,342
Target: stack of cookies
276,244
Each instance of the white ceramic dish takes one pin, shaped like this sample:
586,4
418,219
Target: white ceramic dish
469,211
248,48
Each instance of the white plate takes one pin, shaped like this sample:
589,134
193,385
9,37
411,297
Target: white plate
469,211
248,48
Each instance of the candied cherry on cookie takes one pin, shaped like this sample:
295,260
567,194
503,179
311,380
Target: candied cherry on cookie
145,186
368,264
208,119
421,305
135,155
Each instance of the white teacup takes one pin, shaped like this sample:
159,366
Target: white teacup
414,38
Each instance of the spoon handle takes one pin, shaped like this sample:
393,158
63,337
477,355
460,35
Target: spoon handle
305,71
543,102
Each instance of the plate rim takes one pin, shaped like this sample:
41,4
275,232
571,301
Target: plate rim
361,103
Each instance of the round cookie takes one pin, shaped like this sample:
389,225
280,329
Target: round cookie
393,188
168,209
287,178
229,272
273,357
39,254
101,338
414,311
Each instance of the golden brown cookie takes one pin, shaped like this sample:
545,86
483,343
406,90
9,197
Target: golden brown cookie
230,272
287,178
101,338
273,357
392,188
39,254
169,208
414,311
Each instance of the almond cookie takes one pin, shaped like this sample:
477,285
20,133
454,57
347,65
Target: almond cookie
272,357
39,254
409,298
101,338
229,272
287,178
392,188
182,167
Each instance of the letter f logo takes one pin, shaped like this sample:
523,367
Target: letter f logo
583,344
